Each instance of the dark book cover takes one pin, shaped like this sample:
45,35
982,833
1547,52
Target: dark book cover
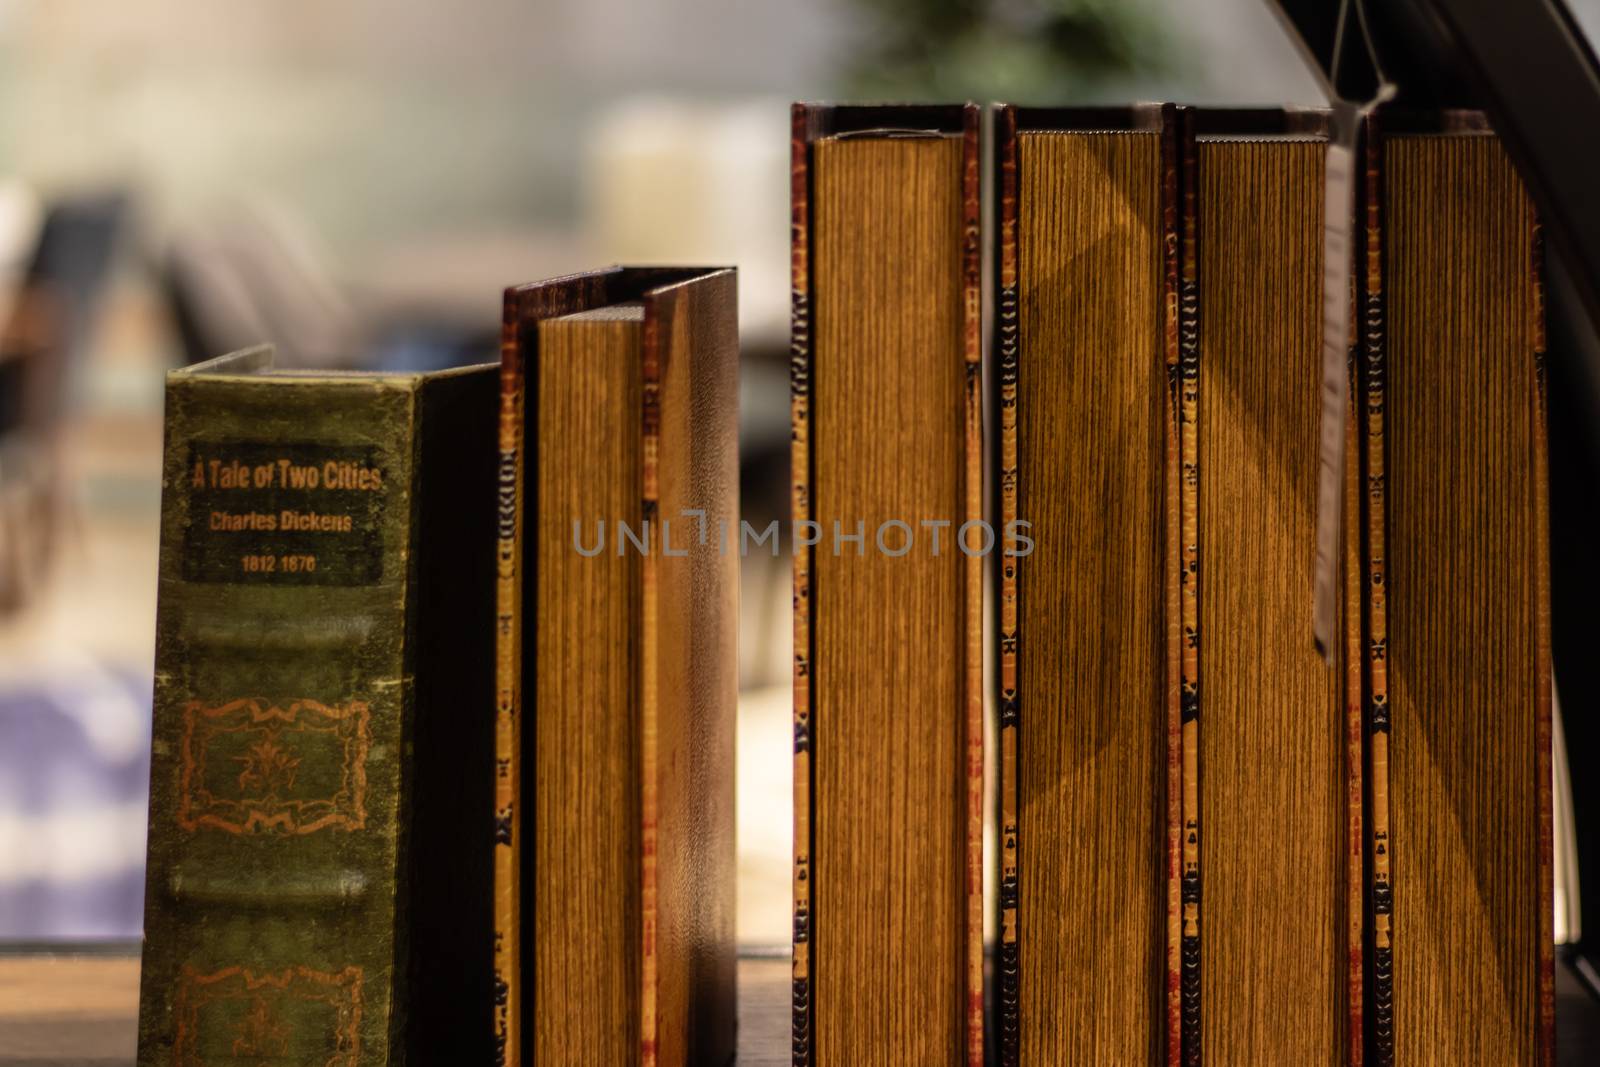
319,858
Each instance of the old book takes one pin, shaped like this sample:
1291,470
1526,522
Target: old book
319,868
1158,338
1458,646
1087,347
886,407
1278,789
618,590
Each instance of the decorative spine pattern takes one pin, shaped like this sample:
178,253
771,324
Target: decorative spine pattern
800,511
1008,960
1382,897
1355,869
508,701
972,682
1189,583
1170,347
649,800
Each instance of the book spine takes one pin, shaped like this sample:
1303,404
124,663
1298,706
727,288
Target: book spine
972,680
689,472
508,993
1007,325
449,798
1355,866
284,698
1189,590
649,686
1172,539
1542,679
1380,894
800,512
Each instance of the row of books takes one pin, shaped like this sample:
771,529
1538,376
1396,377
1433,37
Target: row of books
1213,845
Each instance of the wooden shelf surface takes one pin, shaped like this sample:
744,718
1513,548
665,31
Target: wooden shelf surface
81,1011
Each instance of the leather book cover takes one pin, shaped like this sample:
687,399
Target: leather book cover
616,650
318,876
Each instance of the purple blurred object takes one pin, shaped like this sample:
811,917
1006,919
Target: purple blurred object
74,780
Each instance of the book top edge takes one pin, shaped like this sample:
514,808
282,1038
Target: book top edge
634,278
620,311
824,120
257,364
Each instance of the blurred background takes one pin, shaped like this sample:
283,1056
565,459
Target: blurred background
356,182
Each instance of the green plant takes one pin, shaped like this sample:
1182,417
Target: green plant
1040,51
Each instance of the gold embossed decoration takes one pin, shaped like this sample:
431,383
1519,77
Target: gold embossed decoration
248,766
297,1015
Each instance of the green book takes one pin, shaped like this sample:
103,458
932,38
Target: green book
320,859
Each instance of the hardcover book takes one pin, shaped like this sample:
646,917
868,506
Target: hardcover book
1088,389
1180,862
319,860
618,606
887,506
1278,866
1457,602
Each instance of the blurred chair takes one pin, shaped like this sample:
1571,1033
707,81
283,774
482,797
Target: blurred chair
259,275
44,337
256,275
